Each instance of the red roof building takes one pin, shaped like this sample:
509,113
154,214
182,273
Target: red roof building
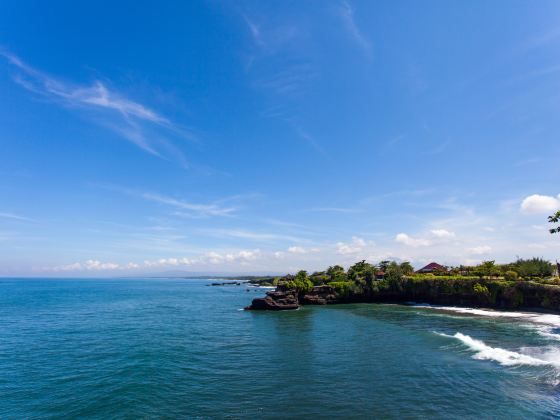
430,268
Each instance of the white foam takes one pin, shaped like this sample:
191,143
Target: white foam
527,356
484,312
544,324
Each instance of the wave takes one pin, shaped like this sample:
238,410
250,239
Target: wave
526,356
544,324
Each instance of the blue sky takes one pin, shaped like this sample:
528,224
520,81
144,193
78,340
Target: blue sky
254,136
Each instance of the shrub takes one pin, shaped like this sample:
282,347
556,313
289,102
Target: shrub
511,275
301,282
342,288
535,267
421,277
481,290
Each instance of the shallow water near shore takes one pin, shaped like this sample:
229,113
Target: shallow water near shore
175,347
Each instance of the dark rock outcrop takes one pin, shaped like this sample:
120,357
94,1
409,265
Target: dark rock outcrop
276,300
227,283
320,295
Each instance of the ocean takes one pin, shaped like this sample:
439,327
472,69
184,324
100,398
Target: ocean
155,348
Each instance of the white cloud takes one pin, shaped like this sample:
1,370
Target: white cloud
209,258
479,250
410,241
301,250
356,246
297,250
89,265
540,204
443,234
435,236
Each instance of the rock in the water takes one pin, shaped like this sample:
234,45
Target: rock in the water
276,301
320,295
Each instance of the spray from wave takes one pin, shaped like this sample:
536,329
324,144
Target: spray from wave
526,356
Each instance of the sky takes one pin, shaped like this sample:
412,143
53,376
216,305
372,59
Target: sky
267,137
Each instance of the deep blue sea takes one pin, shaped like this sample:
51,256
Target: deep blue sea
155,348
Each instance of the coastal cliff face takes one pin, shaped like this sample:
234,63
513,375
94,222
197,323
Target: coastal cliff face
464,292
482,293
320,295
284,299
279,299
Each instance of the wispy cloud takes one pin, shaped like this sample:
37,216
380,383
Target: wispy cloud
333,210
346,12
195,209
12,216
286,82
291,81
183,207
131,120
544,38
245,234
255,31
308,138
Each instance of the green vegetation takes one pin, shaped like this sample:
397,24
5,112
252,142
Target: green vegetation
487,269
342,288
511,275
300,282
555,218
532,268
481,290
523,283
449,277
336,273
267,281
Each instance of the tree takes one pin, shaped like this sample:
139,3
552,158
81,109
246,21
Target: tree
300,282
406,268
384,264
486,269
534,267
555,218
394,272
362,273
336,273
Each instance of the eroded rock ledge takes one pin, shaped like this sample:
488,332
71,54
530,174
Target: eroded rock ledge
277,300
283,299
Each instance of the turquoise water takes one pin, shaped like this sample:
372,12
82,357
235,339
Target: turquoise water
177,348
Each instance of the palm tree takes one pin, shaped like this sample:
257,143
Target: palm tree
555,218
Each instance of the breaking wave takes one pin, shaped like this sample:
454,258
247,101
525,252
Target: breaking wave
546,325
526,356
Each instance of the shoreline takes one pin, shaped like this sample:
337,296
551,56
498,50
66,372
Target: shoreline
466,293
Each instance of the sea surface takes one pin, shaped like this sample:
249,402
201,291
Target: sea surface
154,348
